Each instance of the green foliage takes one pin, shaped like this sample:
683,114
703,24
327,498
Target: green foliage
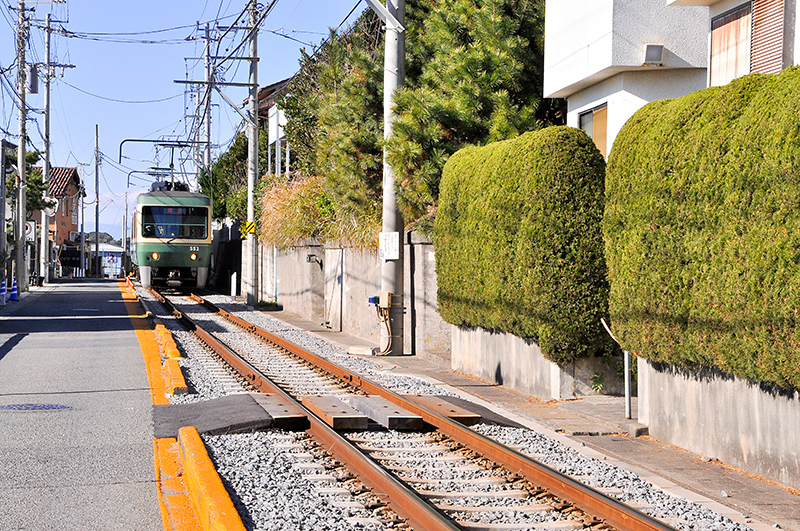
35,190
703,230
518,241
227,182
335,110
236,204
480,81
473,75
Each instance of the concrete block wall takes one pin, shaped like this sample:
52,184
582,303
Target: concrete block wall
333,286
741,423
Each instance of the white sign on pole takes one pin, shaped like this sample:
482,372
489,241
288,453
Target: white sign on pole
389,245
30,231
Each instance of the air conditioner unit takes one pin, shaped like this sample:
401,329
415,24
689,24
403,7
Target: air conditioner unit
654,54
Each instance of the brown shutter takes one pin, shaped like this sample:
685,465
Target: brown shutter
767,47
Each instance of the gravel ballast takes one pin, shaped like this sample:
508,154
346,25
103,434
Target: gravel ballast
272,494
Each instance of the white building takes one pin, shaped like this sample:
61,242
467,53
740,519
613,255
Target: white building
747,36
609,58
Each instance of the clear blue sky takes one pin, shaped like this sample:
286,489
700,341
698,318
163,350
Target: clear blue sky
138,71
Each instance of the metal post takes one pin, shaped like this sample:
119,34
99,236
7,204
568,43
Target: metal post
97,200
3,208
44,263
252,158
627,384
125,238
20,262
83,232
392,269
277,145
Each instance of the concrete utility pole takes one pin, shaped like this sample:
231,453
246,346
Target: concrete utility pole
21,265
207,112
251,273
44,263
391,242
97,200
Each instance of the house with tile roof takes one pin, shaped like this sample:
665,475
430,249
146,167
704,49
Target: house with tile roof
65,186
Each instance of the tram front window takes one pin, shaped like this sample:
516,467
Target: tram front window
179,222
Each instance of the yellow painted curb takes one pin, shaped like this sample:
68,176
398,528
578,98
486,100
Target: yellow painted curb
212,504
167,342
177,383
191,495
177,511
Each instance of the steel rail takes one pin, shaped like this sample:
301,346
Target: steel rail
420,513
584,497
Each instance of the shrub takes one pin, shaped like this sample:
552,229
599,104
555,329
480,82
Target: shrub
301,209
703,229
518,241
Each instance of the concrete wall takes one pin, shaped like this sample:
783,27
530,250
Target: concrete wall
627,92
587,41
300,279
332,288
724,417
518,363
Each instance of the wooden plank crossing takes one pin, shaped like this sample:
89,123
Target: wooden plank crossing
336,413
285,415
387,414
447,409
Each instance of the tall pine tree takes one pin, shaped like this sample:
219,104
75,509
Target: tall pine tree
480,81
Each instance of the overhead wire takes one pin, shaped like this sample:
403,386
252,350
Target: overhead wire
115,100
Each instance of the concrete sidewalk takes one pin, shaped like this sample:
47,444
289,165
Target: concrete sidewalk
76,447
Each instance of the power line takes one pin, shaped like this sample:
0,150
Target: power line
117,100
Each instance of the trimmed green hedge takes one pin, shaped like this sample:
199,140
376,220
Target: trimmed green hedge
702,229
518,241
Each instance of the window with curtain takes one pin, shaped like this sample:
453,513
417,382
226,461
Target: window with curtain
730,45
595,123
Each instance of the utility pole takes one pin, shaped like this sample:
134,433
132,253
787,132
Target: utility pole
207,112
392,270
391,241
20,262
97,200
44,247
251,276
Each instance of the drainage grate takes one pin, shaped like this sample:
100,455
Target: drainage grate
34,407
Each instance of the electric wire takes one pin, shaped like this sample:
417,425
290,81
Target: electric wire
118,100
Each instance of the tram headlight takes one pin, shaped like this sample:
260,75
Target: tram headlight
193,256
154,256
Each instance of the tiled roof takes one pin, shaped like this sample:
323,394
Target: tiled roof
60,179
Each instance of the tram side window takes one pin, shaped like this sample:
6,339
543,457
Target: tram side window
175,222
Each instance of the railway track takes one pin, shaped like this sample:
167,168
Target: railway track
441,475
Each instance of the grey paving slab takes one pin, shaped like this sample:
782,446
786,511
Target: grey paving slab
84,459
